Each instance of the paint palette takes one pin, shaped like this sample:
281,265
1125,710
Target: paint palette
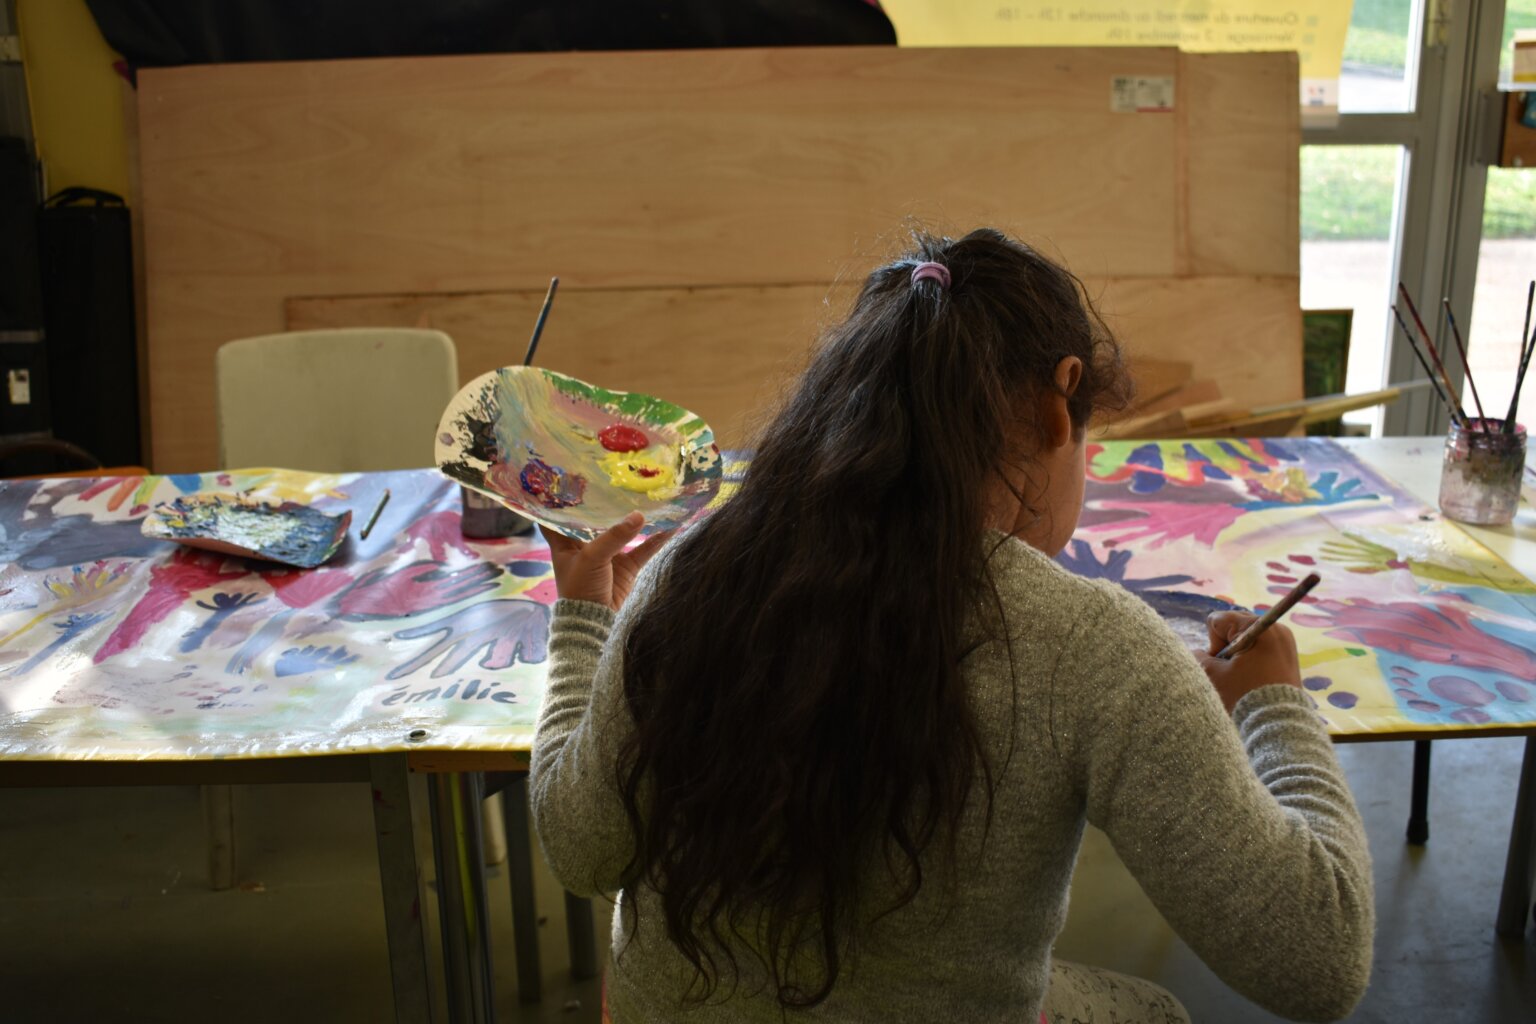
237,524
575,457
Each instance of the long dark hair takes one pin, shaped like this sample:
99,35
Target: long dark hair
800,714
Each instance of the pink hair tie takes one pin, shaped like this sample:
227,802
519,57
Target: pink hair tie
931,272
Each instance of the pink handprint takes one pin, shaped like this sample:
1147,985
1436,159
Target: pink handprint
1441,634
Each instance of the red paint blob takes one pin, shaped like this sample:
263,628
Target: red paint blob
621,437
645,472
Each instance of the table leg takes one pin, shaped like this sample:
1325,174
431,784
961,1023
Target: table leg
400,876
219,823
579,933
1418,808
1515,900
525,923
456,846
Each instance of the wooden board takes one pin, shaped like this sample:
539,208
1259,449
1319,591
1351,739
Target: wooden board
745,169
727,352
1243,141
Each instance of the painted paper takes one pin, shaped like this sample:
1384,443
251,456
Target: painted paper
575,457
1415,626
118,645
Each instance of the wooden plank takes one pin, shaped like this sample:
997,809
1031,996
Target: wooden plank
1194,393
1243,140
743,345
1157,378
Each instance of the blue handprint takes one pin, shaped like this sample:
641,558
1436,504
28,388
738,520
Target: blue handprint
224,605
301,660
70,628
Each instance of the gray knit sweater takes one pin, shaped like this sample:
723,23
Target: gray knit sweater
1246,838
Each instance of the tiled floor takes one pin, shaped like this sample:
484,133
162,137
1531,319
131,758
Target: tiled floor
105,913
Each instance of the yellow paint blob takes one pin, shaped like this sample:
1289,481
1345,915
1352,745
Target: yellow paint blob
642,472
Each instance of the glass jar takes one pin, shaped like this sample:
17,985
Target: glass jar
485,517
1480,477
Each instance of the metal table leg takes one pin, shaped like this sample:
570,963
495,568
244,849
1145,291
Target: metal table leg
1418,809
1515,900
579,934
456,846
525,924
400,877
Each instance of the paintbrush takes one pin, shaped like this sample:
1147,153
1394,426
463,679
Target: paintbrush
1429,374
1525,361
538,327
1249,636
375,517
1450,389
1466,367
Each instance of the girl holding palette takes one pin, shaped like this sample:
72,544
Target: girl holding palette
838,743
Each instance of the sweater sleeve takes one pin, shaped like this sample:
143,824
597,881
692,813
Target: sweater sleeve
574,797
1247,839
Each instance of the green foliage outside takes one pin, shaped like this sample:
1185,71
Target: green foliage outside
1378,32
1347,192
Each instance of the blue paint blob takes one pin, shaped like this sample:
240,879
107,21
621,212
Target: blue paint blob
1342,699
1317,682
1151,456
529,569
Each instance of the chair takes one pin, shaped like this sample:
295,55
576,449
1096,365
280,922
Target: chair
329,401
354,399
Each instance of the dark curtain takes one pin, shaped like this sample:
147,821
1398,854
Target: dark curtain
159,33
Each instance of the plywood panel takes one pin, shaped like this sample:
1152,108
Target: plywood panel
674,157
743,344
1242,332
1241,131
749,169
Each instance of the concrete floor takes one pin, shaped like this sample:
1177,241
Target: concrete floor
105,913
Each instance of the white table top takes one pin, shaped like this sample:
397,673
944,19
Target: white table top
1414,462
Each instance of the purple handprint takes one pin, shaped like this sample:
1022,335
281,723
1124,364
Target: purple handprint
510,630
413,589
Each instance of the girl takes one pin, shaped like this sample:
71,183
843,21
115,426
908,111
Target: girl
838,745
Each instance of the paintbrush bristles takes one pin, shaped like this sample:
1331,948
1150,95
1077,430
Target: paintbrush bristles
1466,367
1450,389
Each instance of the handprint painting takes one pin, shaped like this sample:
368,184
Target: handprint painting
574,457
146,648
1414,626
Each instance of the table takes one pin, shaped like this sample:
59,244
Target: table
130,661
1421,628
1413,462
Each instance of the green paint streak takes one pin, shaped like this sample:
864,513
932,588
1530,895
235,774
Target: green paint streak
627,403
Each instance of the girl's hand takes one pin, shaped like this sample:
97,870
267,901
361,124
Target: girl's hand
1271,659
600,570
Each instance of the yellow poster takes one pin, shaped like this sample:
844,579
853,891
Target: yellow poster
1313,28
